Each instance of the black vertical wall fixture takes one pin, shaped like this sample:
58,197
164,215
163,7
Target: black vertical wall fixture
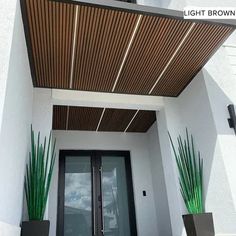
232,119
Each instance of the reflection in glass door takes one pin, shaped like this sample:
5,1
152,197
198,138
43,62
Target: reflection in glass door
115,197
78,198
95,194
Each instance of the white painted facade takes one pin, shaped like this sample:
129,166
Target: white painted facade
202,107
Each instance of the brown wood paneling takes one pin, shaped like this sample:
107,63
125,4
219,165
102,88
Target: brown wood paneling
116,119
142,121
154,44
59,117
103,37
51,31
84,118
101,40
195,52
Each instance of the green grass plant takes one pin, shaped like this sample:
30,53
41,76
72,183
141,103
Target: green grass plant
38,175
190,168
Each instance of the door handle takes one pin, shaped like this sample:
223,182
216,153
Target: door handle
94,202
103,220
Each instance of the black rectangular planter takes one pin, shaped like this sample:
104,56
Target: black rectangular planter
35,228
199,224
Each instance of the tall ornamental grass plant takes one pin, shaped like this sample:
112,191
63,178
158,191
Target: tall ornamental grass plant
190,168
38,175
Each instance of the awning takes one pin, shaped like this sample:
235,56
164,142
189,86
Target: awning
116,47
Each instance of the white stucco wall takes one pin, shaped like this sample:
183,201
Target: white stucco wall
141,171
16,118
7,20
158,180
42,111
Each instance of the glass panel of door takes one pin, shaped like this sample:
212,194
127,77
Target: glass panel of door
78,197
114,197
95,194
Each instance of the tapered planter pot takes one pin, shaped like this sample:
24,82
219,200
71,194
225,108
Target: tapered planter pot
199,224
35,228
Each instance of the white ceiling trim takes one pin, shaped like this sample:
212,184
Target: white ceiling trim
108,100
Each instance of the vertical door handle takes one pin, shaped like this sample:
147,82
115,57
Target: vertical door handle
103,220
94,204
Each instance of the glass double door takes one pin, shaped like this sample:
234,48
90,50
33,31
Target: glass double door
95,194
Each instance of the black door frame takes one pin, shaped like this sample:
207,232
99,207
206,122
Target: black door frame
95,156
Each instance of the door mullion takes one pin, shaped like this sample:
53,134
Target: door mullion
94,193
97,198
102,230
94,215
99,191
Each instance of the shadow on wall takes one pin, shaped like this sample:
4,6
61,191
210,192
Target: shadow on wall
217,193
217,94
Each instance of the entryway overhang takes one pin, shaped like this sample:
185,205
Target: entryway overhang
101,47
117,47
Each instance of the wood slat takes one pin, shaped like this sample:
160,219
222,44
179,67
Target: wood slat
103,37
154,44
195,52
116,119
142,121
51,30
59,117
84,118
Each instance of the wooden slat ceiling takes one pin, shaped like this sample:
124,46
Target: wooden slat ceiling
85,47
102,119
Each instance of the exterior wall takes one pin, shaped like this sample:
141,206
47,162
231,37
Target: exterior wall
15,119
42,111
6,34
9,230
158,180
141,171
